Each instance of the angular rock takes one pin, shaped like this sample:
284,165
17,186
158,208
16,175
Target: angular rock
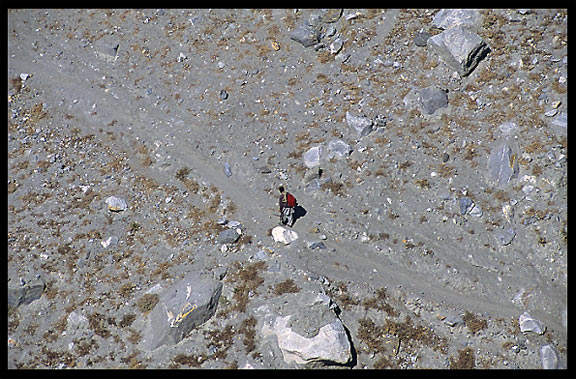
25,295
228,236
502,164
505,236
448,18
362,125
432,99
187,304
338,149
460,48
330,345
559,124
312,156
286,236
308,330
305,34
529,324
466,205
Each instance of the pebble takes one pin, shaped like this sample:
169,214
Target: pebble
116,204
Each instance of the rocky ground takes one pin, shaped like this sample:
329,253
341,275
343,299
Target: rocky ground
425,237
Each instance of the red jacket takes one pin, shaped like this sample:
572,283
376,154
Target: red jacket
287,200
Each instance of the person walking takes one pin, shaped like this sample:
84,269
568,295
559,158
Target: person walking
287,203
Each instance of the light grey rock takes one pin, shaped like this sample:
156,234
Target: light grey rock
466,205
559,124
116,204
454,319
361,125
529,324
307,330
460,48
338,149
312,156
432,99
305,34
316,245
283,235
336,45
502,164
549,357
227,169
505,237
448,18
187,304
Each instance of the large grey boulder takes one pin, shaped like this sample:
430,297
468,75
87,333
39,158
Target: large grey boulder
187,304
448,18
503,165
307,330
24,295
460,48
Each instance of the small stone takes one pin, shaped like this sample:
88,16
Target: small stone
223,95
116,204
228,236
421,39
362,125
432,99
529,324
312,156
306,35
316,245
336,46
505,236
227,169
466,205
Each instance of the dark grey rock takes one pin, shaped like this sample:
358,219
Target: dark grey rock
306,35
26,294
421,39
189,303
316,245
431,99
228,236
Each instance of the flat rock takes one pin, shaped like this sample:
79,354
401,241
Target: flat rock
26,294
312,156
502,165
432,98
228,236
187,304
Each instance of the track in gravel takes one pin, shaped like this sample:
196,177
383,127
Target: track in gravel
350,260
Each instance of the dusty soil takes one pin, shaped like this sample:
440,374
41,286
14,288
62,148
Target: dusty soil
150,105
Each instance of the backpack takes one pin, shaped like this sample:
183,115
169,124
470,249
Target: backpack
290,200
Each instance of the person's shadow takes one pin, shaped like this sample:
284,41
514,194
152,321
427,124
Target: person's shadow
299,212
